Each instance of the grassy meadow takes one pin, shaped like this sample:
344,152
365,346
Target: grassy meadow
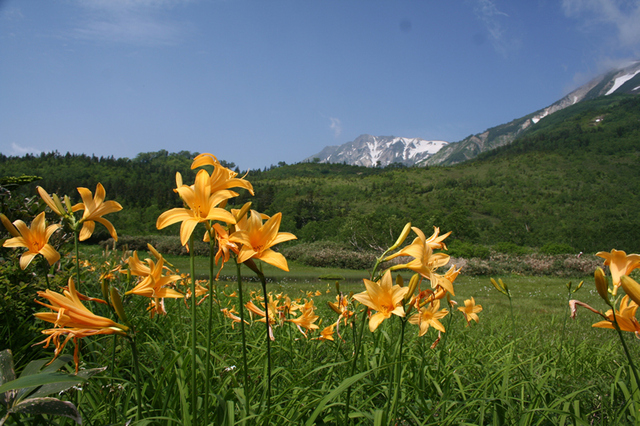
522,363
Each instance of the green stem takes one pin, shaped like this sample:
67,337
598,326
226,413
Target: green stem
244,343
356,351
398,372
136,366
75,241
112,372
626,350
564,326
209,331
194,396
266,310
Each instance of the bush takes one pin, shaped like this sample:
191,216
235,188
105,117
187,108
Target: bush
165,244
467,250
511,248
557,248
329,254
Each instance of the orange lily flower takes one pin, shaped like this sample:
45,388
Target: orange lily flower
326,333
94,208
72,319
471,310
625,317
382,297
425,262
307,319
154,282
258,238
619,264
202,203
34,239
429,317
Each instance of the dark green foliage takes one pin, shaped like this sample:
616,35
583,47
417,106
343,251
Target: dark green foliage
557,248
468,250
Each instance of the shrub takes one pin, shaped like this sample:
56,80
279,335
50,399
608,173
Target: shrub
557,248
329,254
468,250
165,244
511,248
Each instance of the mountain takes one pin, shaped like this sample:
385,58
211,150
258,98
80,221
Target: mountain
622,80
367,150
370,151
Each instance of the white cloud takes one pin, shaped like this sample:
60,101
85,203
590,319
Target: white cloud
142,22
489,14
335,126
623,15
19,151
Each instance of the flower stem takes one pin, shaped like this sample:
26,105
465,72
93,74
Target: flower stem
194,396
208,357
75,241
626,350
244,343
398,372
136,366
266,310
356,351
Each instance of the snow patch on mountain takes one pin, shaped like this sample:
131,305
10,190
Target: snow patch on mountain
369,151
619,81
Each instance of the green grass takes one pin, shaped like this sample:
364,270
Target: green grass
503,370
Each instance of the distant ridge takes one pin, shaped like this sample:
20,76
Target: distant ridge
622,80
370,151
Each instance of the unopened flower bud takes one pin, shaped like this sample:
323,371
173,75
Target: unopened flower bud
402,237
631,287
602,285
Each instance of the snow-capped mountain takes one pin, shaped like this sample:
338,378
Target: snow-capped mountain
367,150
622,80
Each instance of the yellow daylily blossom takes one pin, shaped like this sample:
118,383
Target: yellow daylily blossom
231,314
72,319
94,208
35,239
619,264
326,333
429,316
425,262
154,283
382,297
625,317
307,319
471,310
203,207
258,238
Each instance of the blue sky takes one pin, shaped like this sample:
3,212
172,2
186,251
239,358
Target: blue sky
256,82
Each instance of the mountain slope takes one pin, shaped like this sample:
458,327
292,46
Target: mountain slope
625,80
370,151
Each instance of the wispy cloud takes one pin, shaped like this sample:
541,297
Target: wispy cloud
19,151
142,22
624,16
492,18
335,126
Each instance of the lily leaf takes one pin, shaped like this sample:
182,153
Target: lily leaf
41,379
7,374
51,388
51,406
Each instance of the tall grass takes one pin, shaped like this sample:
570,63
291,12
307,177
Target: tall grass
486,373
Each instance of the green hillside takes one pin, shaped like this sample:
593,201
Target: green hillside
572,179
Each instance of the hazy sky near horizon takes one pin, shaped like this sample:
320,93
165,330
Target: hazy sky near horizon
256,82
